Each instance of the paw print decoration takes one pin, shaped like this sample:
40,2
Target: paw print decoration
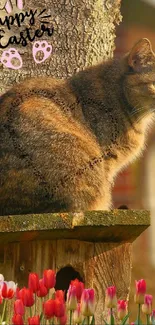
41,46
13,60
8,57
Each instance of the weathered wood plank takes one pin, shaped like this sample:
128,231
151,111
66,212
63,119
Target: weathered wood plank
95,226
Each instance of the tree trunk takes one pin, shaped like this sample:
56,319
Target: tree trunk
84,33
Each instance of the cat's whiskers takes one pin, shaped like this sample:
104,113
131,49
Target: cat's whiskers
143,116
132,88
138,110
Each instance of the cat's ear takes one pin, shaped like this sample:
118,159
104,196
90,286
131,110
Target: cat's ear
141,55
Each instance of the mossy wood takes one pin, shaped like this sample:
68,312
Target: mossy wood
96,244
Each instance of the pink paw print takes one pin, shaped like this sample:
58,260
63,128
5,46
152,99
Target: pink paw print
8,57
41,46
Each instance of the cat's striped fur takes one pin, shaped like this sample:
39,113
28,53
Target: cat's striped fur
62,142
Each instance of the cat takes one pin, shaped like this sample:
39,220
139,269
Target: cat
62,142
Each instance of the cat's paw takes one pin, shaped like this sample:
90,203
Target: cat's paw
8,57
41,46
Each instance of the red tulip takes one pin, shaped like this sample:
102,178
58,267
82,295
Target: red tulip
79,288
48,308
17,293
42,291
60,295
33,282
63,320
49,279
59,308
35,320
8,289
19,307
1,299
140,291
17,320
26,295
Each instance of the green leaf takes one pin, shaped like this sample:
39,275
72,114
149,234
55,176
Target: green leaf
41,316
83,321
125,319
105,322
93,321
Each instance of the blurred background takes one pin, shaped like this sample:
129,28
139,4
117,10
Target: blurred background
135,187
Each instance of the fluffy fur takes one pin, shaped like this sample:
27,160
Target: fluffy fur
64,141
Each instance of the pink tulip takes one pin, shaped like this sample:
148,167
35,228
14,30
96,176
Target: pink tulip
147,306
77,316
110,298
153,313
152,317
121,309
140,291
88,302
71,298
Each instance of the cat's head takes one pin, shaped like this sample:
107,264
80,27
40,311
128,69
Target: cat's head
139,81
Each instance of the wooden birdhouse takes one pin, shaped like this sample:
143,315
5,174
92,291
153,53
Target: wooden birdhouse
94,247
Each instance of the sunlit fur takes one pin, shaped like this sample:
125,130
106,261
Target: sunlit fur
64,141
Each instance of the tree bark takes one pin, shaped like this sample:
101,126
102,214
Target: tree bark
84,34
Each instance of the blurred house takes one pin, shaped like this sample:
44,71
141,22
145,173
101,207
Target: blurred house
135,186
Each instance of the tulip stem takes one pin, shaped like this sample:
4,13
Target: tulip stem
87,320
148,320
35,303
4,307
70,317
30,312
139,314
111,316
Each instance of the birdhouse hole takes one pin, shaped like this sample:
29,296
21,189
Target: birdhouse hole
64,277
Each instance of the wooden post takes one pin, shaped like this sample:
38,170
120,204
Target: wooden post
93,246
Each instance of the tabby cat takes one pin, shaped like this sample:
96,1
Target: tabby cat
62,142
